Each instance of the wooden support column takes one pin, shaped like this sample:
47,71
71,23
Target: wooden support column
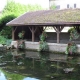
58,37
58,29
33,30
13,31
33,36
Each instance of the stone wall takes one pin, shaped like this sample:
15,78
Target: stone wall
52,46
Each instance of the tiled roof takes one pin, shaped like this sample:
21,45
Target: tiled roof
48,17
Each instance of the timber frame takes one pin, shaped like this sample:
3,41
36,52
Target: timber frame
33,29
57,19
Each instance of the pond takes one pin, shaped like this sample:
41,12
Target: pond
28,65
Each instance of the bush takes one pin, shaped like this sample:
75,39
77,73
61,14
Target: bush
71,48
2,40
43,44
11,11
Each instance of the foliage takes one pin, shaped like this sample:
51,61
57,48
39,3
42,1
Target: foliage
13,76
73,34
8,42
53,6
43,44
21,34
43,36
17,9
70,29
21,45
2,40
11,11
71,48
43,58
5,30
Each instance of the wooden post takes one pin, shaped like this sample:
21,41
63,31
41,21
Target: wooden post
33,37
58,29
12,33
33,30
58,37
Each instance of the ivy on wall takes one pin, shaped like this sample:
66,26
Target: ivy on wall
43,44
71,46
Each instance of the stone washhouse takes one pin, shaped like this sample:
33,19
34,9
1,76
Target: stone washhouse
33,24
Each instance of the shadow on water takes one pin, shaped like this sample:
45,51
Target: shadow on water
28,65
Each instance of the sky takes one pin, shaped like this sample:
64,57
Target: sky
67,1
2,4
43,3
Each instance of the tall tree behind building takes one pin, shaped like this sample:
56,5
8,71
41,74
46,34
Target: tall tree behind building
11,11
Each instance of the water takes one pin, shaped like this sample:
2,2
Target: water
30,65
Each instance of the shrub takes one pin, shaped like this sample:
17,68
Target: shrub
2,40
43,44
71,48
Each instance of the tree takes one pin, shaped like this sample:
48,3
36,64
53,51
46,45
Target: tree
11,11
53,7
6,30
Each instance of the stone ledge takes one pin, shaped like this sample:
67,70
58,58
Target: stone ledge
52,46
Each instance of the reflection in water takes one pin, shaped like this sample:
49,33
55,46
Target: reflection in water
44,57
30,65
2,76
28,78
